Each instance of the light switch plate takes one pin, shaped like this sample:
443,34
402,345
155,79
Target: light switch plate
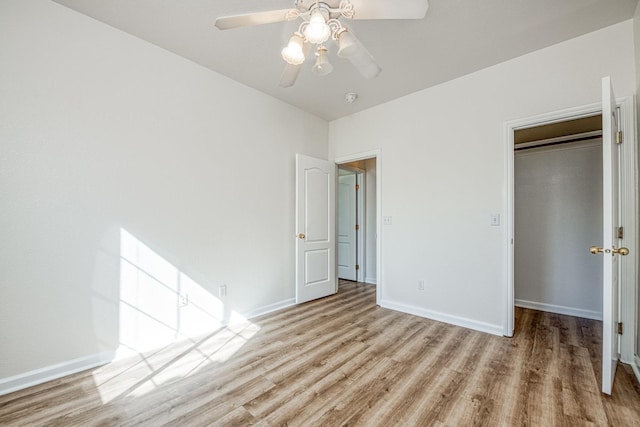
494,220
386,220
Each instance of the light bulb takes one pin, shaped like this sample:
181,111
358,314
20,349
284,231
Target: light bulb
293,53
317,31
322,67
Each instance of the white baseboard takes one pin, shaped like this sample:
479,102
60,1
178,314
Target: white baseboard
559,309
371,280
270,308
446,318
636,367
48,373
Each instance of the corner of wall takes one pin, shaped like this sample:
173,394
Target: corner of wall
443,317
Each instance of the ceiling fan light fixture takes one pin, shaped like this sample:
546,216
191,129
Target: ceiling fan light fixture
348,44
317,31
322,67
293,52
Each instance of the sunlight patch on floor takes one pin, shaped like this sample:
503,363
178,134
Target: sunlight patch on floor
166,323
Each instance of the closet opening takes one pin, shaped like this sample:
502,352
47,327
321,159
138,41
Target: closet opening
558,216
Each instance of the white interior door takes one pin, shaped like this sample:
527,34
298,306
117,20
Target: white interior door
347,243
315,228
610,241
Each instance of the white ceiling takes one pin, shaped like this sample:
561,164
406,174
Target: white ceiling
456,37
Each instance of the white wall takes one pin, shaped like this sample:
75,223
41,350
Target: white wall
103,135
558,215
443,154
370,221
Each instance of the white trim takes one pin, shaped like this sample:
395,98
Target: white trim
508,234
53,372
270,308
361,238
560,309
636,367
445,318
628,219
373,154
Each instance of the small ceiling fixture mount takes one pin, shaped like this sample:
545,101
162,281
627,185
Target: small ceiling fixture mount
321,22
350,97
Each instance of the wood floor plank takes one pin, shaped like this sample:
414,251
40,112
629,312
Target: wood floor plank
342,360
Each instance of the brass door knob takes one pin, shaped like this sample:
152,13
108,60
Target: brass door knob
620,251
301,236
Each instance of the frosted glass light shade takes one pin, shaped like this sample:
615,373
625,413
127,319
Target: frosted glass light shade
322,67
317,31
293,53
348,44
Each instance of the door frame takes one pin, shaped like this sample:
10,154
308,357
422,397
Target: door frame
361,240
628,208
373,154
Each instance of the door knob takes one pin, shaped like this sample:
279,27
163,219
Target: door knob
301,236
620,251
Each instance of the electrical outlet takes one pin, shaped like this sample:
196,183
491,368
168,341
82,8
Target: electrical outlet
387,220
421,285
222,291
183,300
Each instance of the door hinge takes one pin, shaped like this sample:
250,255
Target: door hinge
357,187
357,227
357,267
619,137
619,328
620,232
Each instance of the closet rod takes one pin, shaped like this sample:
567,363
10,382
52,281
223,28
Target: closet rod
564,140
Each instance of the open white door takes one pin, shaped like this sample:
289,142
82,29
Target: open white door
347,243
610,241
315,228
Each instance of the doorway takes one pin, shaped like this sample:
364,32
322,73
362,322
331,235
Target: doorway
627,298
367,165
558,214
356,221
350,223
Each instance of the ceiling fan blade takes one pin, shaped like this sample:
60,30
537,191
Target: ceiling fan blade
387,9
291,72
257,18
290,75
364,63
351,48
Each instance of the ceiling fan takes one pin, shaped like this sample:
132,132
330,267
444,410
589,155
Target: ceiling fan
320,22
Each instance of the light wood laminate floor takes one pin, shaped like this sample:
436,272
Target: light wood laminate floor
342,360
